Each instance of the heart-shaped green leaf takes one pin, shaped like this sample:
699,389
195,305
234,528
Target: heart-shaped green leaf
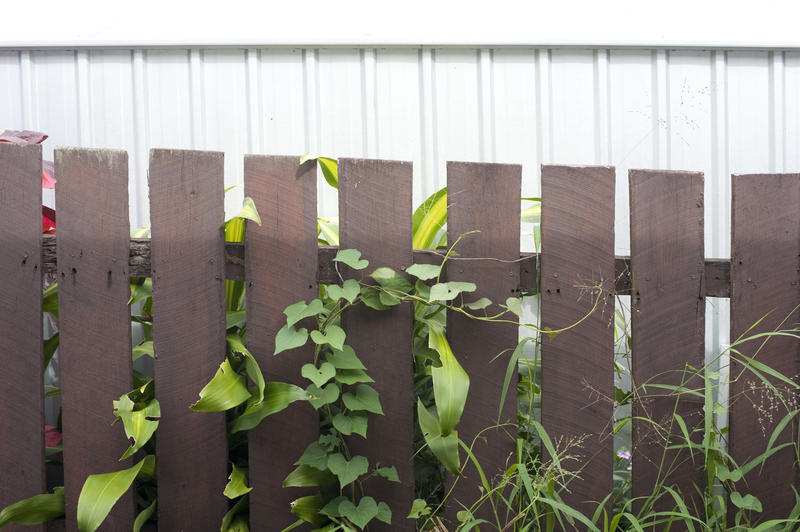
289,338
352,423
351,257
480,304
344,359
301,310
366,398
371,297
352,376
424,271
514,304
318,376
449,291
384,513
746,502
319,397
315,456
349,290
389,473
237,484
332,508
333,335
419,508
347,471
359,515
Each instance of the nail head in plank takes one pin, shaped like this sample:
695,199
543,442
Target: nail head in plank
577,365
281,267
765,283
484,197
21,398
94,318
186,211
668,329
375,218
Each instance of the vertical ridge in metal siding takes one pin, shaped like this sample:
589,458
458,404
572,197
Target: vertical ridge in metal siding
777,134
544,110
661,118
719,148
428,123
369,111
196,97
140,206
252,117
602,107
83,86
486,124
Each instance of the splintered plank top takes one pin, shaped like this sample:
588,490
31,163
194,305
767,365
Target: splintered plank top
21,398
186,211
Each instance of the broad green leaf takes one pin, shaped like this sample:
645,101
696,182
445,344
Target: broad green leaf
50,300
359,515
34,510
480,304
532,214
330,170
366,398
237,509
141,291
450,383
305,476
50,346
319,376
289,338
226,390
101,492
235,318
333,335
746,502
371,297
277,396
328,231
349,290
351,423
424,271
319,397
389,473
391,280
332,508
352,376
140,423
144,348
234,290
301,310
449,291
237,484
315,456
428,219
144,515
249,211
514,304
235,346
445,448
351,257
344,358
347,471
308,509
240,524
419,508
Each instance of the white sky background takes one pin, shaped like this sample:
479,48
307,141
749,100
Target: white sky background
676,23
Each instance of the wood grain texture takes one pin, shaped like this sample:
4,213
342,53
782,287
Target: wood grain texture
186,213
668,331
577,365
765,282
375,218
281,266
21,398
484,197
95,345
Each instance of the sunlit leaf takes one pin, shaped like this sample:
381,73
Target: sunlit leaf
352,258
101,492
226,390
330,170
428,219
450,383
139,423
304,476
236,347
277,396
249,211
34,510
237,484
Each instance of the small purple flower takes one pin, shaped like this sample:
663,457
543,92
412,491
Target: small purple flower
629,468
625,455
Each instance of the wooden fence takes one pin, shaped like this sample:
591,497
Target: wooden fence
666,275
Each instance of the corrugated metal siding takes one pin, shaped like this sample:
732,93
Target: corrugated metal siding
717,111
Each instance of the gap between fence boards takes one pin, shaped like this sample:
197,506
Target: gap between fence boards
717,270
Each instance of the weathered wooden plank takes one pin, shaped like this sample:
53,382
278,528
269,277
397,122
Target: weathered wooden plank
765,277
375,218
578,271
484,197
281,269
186,213
94,317
668,331
21,397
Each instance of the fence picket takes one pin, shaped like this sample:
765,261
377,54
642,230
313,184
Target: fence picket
577,365
484,197
186,212
281,269
375,218
765,281
21,398
94,318
668,324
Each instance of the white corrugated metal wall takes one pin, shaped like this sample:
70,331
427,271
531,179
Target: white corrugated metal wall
717,111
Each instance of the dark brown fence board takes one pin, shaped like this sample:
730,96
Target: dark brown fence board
281,269
94,318
668,330
577,365
186,213
765,280
484,197
21,398
375,218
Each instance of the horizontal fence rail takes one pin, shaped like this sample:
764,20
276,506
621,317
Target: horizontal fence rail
93,259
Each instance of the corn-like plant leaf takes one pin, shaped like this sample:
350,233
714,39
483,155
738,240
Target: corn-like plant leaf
144,348
445,448
139,423
34,510
328,231
144,515
237,348
237,509
101,492
450,383
249,211
305,476
237,484
226,390
50,299
330,170
532,214
428,219
50,346
308,509
277,396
